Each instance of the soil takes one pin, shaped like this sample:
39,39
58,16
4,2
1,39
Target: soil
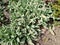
5,12
53,40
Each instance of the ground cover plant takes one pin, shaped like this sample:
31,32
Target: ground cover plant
56,7
27,19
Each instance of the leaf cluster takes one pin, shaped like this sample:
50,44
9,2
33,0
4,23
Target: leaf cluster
27,17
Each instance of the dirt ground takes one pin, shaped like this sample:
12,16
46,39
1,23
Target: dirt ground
53,40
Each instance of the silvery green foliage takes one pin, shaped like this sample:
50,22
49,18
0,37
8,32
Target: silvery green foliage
26,18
